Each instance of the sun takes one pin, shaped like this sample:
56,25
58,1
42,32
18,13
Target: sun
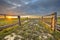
9,17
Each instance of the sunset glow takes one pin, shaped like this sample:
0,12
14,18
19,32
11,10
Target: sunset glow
11,17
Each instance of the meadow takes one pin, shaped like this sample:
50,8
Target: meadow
30,29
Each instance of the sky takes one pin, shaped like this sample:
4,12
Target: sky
29,7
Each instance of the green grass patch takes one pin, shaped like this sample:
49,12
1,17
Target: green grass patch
56,34
7,31
46,27
58,21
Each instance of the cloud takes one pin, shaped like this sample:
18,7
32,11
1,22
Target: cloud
33,6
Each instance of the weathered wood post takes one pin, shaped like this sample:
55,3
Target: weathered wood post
19,21
54,21
42,18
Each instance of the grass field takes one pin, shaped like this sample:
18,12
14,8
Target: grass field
56,34
9,30
58,21
31,29
7,21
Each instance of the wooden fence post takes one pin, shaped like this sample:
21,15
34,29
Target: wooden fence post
19,21
55,17
52,24
42,18
54,21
